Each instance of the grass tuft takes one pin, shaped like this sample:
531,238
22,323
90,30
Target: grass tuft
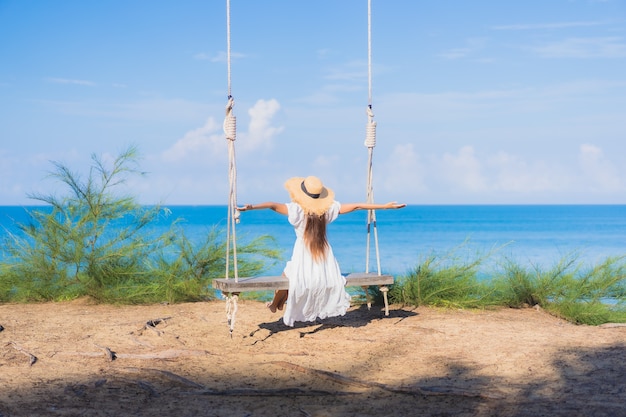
584,295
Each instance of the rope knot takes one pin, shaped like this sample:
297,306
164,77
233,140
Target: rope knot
370,134
230,105
230,121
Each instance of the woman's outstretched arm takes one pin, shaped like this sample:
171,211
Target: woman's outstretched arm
349,207
277,207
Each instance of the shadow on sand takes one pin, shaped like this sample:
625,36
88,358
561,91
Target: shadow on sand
354,318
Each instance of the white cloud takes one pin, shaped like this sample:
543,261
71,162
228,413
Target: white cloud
513,174
207,141
472,45
463,170
599,172
601,47
350,71
153,109
506,177
260,131
556,25
195,167
24,175
403,172
70,81
325,162
341,78
203,56
319,98
221,56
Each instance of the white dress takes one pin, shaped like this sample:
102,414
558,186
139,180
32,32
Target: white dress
316,288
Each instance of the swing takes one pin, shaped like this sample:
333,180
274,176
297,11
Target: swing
232,287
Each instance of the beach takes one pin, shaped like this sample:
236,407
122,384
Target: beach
78,358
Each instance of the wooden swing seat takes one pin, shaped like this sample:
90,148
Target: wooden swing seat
273,283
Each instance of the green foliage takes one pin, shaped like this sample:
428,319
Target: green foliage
185,271
447,281
593,295
569,290
95,242
588,312
518,286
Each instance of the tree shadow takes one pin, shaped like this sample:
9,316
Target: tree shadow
588,378
582,381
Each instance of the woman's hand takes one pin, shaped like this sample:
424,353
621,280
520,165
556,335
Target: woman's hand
394,205
246,207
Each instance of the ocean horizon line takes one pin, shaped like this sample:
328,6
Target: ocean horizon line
408,204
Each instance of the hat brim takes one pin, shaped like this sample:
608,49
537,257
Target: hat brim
310,205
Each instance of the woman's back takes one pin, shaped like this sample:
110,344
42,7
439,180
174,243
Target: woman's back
316,286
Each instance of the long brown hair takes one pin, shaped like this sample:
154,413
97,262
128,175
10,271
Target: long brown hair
315,235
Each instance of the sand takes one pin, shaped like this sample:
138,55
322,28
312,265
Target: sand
81,359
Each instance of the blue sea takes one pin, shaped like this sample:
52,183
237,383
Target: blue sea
532,235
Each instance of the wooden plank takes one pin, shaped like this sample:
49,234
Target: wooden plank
271,283
360,279
251,284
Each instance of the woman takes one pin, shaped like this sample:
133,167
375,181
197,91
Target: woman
316,286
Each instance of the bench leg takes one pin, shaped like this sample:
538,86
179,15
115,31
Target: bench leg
385,290
231,310
367,297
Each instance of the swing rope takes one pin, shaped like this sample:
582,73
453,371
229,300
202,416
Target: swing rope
230,131
370,143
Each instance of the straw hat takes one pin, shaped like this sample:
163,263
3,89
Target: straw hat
310,194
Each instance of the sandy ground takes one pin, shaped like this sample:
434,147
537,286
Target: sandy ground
79,359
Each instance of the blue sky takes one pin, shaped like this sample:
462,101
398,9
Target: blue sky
477,102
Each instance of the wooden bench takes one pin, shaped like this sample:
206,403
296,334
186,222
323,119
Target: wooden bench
273,283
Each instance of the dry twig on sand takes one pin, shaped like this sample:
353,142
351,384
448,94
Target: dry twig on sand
151,324
32,358
111,356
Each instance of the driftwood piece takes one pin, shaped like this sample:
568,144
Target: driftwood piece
151,324
155,322
32,358
341,379
111,356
